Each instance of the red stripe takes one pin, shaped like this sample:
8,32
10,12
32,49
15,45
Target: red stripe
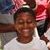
40,16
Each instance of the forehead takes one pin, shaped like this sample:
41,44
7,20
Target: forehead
25,15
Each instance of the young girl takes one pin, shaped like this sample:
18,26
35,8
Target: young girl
27,36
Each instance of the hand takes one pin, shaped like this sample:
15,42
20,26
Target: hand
48,45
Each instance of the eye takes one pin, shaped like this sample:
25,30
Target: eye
29,21
20,22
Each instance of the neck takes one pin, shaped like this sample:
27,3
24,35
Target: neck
24,39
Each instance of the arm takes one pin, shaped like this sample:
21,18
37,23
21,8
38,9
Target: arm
6,28
44,38
48,45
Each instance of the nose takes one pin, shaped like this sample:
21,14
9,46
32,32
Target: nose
25,25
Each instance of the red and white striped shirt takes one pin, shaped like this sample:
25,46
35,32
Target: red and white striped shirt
41,9
18,4
41,12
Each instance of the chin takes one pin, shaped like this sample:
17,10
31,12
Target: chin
26,35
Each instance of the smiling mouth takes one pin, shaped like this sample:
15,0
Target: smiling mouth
25,30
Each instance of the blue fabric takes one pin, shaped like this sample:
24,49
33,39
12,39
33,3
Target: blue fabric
5,5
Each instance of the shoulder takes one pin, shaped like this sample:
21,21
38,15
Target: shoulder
40,44
43,45
43,42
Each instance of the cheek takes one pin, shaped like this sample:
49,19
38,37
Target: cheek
18,27
32,26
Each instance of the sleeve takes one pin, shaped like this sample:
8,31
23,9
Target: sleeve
5,48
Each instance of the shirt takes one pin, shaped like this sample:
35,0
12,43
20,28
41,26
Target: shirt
47,34
35,44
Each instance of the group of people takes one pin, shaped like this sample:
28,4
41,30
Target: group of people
29,30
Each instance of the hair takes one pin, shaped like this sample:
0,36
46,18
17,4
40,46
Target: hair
31,3
24,9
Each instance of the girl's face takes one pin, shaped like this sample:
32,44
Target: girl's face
25,24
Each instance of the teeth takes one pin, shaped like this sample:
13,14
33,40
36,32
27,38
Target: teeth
25,30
